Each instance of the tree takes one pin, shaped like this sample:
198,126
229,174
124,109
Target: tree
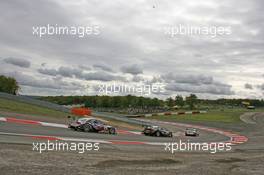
90,102
155,102
191,100
116,101
179,100
105,101
8,85
170,102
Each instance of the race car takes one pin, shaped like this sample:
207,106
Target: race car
191,132
91,125
156,131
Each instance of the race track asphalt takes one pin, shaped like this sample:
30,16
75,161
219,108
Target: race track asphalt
18,128
17,156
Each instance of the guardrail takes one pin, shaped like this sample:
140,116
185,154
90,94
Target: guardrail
174,113
120,118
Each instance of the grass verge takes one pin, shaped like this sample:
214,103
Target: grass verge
24,108
226,116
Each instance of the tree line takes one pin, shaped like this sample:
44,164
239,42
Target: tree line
191,101
106,101
128,101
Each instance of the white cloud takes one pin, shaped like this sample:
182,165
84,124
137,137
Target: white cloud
132,43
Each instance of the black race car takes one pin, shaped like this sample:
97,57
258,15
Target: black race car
156,131
191,132
91,125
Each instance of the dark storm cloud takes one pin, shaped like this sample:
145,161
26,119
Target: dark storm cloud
102,76
215,89
63,71
83,67
52,72
261,86
195,84
156,79
69,72
17,62
103,67
137,78
248,86
187,79
133,69
80,74
50,83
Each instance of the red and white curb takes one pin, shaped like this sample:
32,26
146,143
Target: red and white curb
2,119
233,137
33,122
174,113
54,138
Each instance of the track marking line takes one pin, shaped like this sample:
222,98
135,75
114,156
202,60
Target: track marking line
54,125
3,119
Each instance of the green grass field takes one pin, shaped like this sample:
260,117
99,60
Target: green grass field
227,116
19,107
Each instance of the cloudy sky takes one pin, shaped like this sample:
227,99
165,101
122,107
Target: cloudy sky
133,47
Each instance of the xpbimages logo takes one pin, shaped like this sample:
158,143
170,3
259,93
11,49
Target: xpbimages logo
190,30
80,147
139,89
79,31
213,147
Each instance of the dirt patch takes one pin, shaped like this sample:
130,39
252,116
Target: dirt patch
230,160
112,163
20,159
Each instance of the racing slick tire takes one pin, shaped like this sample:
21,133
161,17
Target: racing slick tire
87,128
157,134
112,131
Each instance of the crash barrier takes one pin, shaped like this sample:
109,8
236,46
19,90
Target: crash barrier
33,101
120,117
81,111
174,113
133,116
